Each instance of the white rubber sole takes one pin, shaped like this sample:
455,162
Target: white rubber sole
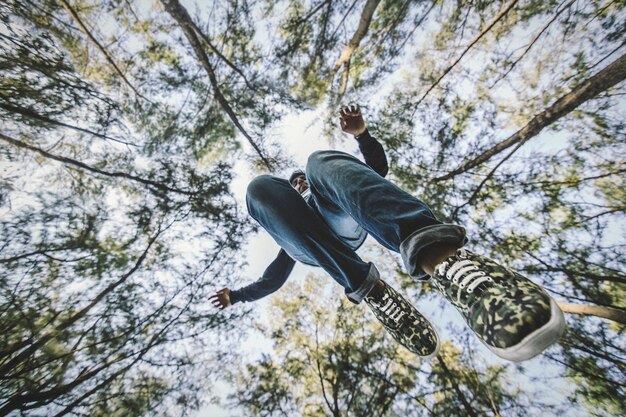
536,342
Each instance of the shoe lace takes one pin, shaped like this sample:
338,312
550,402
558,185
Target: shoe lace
464,273
390,308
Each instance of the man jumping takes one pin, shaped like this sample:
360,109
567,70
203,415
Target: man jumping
321,216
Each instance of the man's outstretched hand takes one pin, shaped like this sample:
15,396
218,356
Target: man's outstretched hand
351,120
221,299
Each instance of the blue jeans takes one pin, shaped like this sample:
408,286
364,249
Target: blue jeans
349,201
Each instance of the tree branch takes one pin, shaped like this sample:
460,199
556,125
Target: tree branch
39,398
36,252
36,116
588,89
313,11
484,181
181,16
353,44
81,165
532,43
593,350
468,407
206,39
386,31
154,340
577,181
584,371
609,313
101,48
319,369
417,24
81,313
505,9
597,215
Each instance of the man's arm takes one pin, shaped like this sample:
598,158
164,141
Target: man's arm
273,278
373,153
351,121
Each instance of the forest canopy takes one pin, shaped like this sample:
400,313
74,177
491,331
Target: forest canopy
125,124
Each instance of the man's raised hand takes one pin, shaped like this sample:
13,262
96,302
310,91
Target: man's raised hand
221,299
351,120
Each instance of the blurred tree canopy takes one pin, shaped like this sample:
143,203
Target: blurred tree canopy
332,359
123,122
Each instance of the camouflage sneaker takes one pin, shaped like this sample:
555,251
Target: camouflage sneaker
405,323
515,318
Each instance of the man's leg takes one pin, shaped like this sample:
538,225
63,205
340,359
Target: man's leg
515,318
397,220
305,236
294,225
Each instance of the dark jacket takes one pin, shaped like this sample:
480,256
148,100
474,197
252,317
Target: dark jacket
278,271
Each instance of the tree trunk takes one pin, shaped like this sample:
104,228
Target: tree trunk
603,80
609,313
181,16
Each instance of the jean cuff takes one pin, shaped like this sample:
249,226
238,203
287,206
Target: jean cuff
412,247
373,276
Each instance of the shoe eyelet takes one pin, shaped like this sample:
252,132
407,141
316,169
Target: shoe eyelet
471,290
461,286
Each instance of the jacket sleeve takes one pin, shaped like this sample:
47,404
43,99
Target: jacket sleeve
373,153
273,278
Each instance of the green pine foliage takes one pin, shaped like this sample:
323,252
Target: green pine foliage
118,146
